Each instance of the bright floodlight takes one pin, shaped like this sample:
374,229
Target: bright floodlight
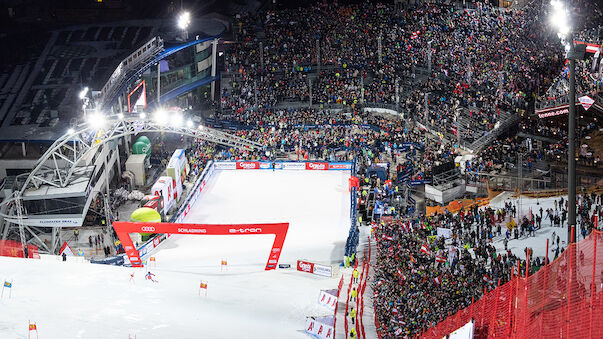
559,18
176,120
70,131
189,123
143,115
83,93
96,119
120,116
184,20
161,117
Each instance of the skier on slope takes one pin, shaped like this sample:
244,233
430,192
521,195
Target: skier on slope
149,276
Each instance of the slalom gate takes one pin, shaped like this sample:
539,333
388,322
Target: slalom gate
175,226
564,299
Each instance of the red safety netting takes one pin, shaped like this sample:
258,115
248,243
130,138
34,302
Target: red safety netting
11,248
562,300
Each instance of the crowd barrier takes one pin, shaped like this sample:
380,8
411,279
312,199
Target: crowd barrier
363,281
558,192
339,286
564,299
456,205
11,248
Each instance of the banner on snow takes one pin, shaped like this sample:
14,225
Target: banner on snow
314,268
321,327
465,332
328,299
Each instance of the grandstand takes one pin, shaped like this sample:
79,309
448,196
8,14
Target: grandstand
446,121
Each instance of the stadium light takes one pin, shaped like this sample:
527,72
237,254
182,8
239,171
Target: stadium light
143,115
176,120
189,123
161,117
120,116
70,131
96,120
184,20
83,93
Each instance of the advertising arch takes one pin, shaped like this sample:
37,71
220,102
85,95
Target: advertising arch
123,230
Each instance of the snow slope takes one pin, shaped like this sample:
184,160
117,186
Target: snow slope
81,300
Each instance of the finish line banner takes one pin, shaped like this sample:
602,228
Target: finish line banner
123,230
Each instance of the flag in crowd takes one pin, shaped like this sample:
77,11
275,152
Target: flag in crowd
440,259
425,249
437,280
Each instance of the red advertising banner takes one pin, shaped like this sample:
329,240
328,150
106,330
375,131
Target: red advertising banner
123,230
310,267
317,166
305,266
248,165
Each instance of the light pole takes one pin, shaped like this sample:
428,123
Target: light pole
559,20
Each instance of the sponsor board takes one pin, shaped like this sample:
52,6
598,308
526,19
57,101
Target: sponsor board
225,165
340,166
305,266
317,166
320,329
247,165
293,166
309,267
265,165
284,265
327,300
323,270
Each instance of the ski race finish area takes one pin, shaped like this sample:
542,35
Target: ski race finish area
124,228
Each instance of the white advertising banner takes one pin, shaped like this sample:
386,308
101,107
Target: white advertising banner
225,165
319,328
465,332
328,299
293,166
323,270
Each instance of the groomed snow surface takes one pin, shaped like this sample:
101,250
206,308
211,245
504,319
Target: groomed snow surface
80,300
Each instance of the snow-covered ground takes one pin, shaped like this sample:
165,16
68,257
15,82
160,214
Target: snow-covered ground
81,300
537,243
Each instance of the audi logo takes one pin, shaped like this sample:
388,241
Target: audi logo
147,229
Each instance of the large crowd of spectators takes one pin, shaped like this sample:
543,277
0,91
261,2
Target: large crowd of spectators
482,62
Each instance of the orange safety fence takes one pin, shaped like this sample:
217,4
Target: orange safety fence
456,205
564,299
11,248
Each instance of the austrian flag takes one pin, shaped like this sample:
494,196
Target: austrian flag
388,237
437,280
440,259
425,249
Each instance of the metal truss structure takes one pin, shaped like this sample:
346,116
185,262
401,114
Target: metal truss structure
74,148
63,161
